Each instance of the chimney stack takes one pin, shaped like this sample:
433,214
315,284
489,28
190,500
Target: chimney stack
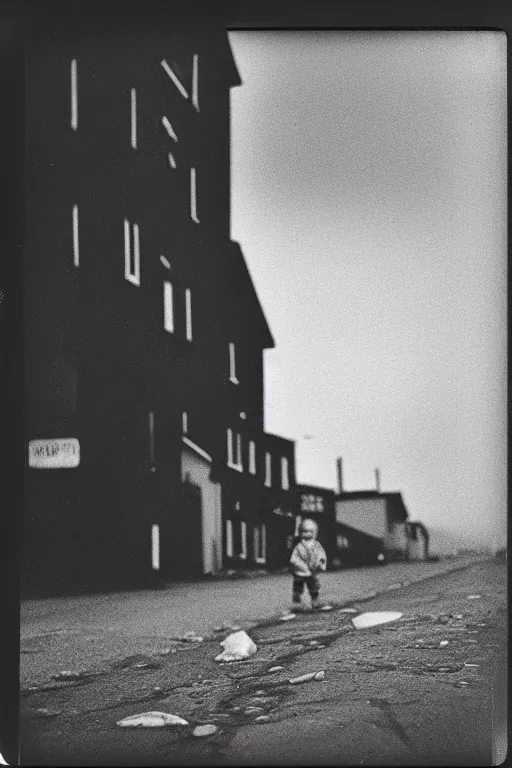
377,480
339,466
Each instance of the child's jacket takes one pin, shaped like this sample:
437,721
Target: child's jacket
307,560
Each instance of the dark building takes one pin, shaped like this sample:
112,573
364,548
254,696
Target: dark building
355,548
380,516
417,541
318,504
144,333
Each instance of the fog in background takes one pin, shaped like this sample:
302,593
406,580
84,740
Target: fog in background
369,196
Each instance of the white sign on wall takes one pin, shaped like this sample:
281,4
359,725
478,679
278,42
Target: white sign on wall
58,453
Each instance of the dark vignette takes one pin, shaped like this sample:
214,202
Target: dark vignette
18,21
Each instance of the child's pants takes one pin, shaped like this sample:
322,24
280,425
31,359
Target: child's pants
312,584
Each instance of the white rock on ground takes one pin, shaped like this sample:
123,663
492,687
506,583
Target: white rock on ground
307,677
372,619
205,730
237,646
151,720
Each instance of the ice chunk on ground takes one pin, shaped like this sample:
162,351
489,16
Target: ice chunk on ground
151,720
372,619
307,677
237,646
205,730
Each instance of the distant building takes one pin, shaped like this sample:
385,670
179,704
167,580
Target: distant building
417,541
356,548
381,516
318,504
257,501
147,456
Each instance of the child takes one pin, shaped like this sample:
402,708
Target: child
308,558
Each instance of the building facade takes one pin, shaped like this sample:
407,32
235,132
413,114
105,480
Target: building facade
144,334
417,541
318,504
381,516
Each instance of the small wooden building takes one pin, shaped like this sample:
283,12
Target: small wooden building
379,515
417,541
356,548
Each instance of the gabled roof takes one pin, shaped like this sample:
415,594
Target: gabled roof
232,69
303,488
420,526
246,293
358,495
397,504
279,437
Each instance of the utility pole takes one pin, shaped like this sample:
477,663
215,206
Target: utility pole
339,467
377,480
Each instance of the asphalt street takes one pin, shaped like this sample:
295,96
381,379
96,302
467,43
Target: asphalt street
91,631
426,689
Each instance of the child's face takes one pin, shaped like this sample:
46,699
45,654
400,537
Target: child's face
308,531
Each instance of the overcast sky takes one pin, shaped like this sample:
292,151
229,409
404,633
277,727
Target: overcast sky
369,197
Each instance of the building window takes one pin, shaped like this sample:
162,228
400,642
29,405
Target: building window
252,457
268,469
151,420
134,118
131,253
155,547
74,96
234,450
168,127
285,477
76,255
188,313
243,540
230,447
232,363
195,81
312,503
179,85
168,308
229,538
184,422
165,262
260,544
193,196
342,542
